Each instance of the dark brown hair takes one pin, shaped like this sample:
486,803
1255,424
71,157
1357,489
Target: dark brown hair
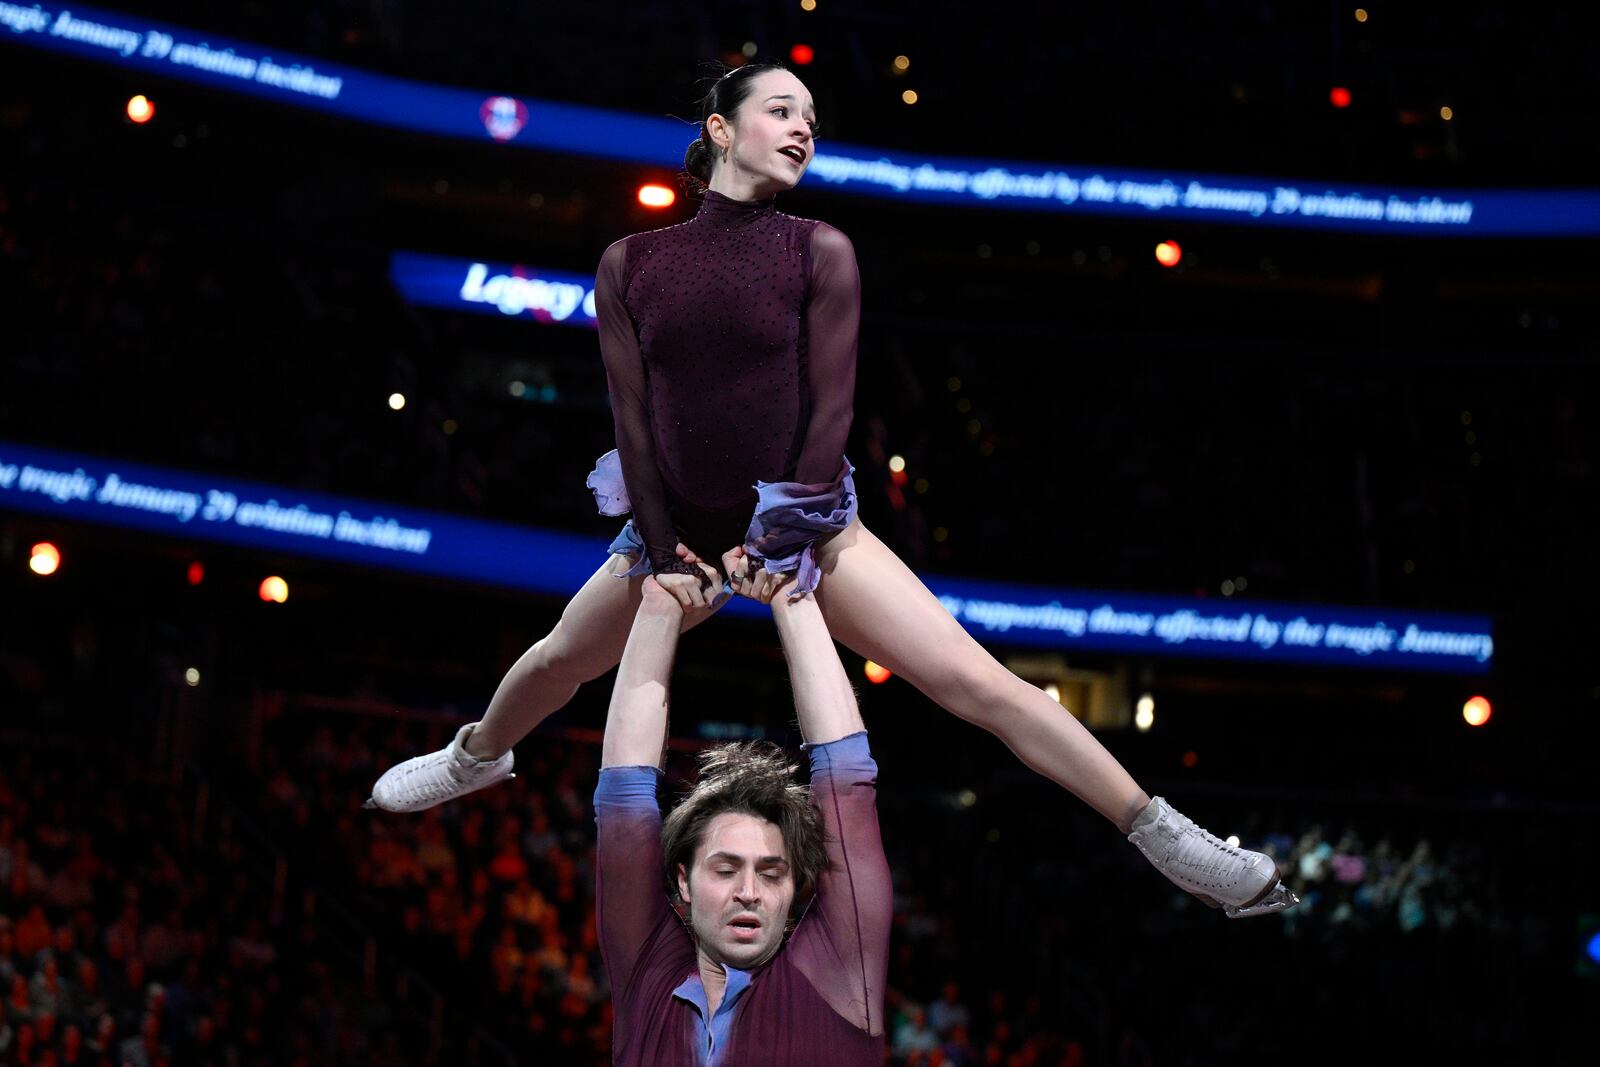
730,91
747,778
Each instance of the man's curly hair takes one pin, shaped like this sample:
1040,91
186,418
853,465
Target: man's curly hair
749,778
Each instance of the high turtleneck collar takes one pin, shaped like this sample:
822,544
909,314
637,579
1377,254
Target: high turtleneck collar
724,209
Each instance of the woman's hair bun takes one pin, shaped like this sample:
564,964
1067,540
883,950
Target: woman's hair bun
697,160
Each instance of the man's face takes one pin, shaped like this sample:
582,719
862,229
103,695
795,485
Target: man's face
739,890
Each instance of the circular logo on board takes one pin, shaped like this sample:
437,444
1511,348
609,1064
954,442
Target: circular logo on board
503,116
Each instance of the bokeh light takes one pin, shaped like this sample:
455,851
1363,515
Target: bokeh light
657,196
1144,713
44,559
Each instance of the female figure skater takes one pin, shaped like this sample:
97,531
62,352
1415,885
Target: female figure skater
730,345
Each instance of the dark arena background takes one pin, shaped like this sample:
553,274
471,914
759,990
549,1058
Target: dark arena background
1273,325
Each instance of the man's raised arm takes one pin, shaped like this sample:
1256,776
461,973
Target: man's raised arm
630,899
842,945
636,724
823,700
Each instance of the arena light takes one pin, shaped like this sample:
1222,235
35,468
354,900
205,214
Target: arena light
1339,96
1477,711
801,55
808,5
44,559
656,195
876,673
1144,713
192,676
902,64
141,109
897,463
909,96
274,590
397,401
1169,253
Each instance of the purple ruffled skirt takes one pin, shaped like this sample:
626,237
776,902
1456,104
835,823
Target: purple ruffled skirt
789,519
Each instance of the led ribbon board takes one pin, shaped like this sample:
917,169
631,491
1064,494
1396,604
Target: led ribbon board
138,44
509,290
183,504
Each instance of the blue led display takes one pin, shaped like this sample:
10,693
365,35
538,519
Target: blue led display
509,290
299,522
138,43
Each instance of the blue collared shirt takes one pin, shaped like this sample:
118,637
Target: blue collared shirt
713,1039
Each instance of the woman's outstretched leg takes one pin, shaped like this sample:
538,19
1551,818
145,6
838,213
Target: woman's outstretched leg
880,609
877,607
586,642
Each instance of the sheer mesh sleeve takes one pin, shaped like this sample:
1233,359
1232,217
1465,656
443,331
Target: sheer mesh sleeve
629,901
630,412
842,944
833,319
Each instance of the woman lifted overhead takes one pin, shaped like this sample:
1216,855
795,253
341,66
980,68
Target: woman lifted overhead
730,346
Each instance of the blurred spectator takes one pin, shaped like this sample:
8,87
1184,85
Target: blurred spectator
948,1011
913,1035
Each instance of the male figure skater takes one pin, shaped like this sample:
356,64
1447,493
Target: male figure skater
747,857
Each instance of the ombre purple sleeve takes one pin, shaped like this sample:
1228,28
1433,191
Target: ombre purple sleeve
630,903
842,943
630,413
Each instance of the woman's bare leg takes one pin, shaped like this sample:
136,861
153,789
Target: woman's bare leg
586,642
881,610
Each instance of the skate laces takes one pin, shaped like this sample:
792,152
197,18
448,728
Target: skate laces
1201,851
455,777
431,778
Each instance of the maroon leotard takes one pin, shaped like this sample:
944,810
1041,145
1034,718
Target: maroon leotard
730,348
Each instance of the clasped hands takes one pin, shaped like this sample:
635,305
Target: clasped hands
694,592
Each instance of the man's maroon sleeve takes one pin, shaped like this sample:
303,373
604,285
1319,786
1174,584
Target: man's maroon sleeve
842,943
